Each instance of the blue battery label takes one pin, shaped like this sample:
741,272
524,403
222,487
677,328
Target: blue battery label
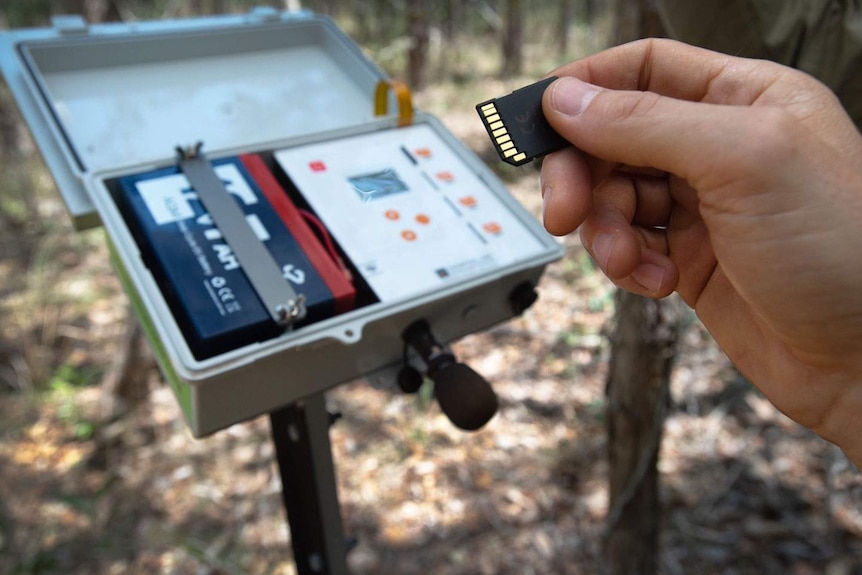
212,300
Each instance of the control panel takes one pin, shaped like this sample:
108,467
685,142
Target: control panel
407,211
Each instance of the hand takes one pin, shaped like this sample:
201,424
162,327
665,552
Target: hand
738,184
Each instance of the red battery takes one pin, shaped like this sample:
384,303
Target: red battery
332,275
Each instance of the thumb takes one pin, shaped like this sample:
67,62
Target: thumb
645,129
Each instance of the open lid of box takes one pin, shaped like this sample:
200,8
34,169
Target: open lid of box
115,95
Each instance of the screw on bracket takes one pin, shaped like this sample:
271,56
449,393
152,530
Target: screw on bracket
190,152
291,311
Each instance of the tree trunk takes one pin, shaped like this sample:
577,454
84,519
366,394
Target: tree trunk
565,9
386,23
454,17
643,347
10,130
635,19
513,53
93,11
590,10
417,25
125,383
198,7
360,11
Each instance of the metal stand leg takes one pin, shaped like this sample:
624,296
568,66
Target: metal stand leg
300,433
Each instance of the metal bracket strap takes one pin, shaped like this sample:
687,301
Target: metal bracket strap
281,300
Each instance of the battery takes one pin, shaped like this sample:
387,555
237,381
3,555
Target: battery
201,279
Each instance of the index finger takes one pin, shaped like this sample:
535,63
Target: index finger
674,69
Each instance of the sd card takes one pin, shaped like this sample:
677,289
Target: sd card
517,125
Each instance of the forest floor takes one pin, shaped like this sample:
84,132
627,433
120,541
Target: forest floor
744,490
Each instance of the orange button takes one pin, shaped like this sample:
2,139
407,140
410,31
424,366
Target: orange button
423,219
408,235
445,176
467,201
492,228
422,152
392,215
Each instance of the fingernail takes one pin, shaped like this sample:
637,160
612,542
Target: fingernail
649,276
601,248
572,96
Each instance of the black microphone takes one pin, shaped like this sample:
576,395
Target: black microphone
465,397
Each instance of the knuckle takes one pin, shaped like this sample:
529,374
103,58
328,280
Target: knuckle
636,105
770,137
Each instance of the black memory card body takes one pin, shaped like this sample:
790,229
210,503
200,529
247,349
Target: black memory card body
518,127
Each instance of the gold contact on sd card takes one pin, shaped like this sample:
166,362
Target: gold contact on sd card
517,125
495,126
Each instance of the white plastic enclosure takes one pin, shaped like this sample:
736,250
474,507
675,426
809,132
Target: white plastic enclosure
113,100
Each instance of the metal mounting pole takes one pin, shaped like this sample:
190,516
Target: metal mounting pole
300,433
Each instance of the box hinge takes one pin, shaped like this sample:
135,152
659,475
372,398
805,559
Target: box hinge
261,14
70,24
